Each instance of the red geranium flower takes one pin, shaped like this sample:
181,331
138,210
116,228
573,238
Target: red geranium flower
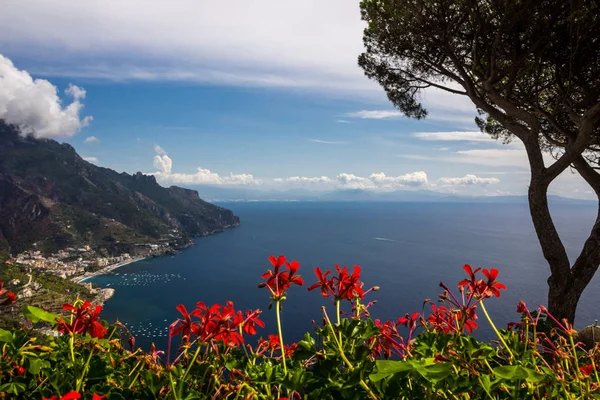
492,287
251,321
9,297
341,287
278,282
326,285
84,319
388,341
68,396
587,369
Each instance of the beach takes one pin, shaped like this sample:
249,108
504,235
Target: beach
106,270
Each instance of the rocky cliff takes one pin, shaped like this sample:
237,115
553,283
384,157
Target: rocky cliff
50,196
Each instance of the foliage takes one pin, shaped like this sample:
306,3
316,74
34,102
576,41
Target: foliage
54,291
349,357
52,197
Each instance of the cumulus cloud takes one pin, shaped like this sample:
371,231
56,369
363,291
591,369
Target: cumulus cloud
159,150
467,180
34,104
382,181
91,140
92,160
164,166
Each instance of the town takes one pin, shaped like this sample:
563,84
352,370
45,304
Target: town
84,261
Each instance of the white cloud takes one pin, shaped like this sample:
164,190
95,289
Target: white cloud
164,166
159,150
91,140
375,114
343,121
304,179
326,141
206,177
473,136
240,48
467,180
381,181
92,160
34,105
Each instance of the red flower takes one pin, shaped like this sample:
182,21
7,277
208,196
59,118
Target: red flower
388,341
471,282
278,281
326,285
480,287
183,326
98,397
348,286
587,369
9,297
68,396
20,371
131,341
214,323
341,287
84,320
492,287
409,321
251,321
522,307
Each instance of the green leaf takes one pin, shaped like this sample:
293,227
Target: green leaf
35,365
5,336
435,372
517,372
35,314
386,368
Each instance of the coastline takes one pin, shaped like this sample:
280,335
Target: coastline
106,270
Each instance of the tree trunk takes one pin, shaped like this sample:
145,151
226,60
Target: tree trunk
562,300
562,296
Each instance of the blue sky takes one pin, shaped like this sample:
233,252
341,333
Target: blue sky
260,94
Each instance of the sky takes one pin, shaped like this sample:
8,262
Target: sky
264,94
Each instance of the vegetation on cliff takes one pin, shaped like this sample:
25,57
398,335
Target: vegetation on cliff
50,196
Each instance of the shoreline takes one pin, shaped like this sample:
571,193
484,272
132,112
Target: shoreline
106,270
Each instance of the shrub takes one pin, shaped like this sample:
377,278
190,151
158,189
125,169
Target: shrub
348,357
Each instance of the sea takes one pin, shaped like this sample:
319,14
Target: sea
406,249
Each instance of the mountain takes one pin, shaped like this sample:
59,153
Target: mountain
52,197
224,194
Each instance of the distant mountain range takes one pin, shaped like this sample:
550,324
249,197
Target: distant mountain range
50,196
221,194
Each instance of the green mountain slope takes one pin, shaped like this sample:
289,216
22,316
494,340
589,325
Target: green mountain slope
50,196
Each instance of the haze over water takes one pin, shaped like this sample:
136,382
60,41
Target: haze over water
404,248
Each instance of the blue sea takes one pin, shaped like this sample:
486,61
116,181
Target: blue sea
404,248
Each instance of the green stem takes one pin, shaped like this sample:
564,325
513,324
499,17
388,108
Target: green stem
337,310
577,372
244,344
79,382
187,371
345,359
496,330
277,311
72,346
135,369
